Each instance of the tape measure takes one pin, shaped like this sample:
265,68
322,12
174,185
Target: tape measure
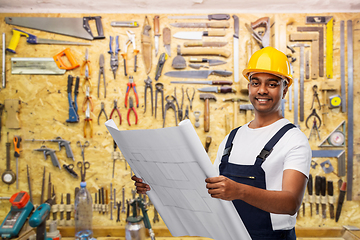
337,138
335,101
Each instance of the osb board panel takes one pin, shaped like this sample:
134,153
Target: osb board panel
45,109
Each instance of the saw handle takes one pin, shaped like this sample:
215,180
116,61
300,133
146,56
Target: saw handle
14,41
99,26
261,22
59,62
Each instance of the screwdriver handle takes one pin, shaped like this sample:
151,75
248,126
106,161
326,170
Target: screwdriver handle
17,141
310,185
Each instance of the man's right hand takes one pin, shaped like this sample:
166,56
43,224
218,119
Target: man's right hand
141,187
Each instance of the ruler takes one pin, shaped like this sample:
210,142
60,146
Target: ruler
342,66
329,48
296,102
350,129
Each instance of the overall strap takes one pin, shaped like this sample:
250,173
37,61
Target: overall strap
265,152
228,145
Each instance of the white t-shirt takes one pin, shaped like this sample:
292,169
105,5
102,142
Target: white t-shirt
291,152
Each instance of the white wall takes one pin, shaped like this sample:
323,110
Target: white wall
178,6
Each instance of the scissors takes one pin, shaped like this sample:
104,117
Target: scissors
83,165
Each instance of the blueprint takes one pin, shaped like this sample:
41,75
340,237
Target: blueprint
174,163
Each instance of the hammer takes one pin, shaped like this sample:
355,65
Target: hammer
206,97
235,100
247,108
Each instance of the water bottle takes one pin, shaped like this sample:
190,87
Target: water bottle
83,214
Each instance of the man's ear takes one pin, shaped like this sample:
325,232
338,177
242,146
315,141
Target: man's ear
285,91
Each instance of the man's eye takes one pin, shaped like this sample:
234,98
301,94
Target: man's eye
254,83
272,85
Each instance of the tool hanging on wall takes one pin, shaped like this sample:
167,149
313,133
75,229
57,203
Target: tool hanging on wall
160,65
117,110
201,25
339,154
204,44
130,40
201,74
3,61
310,193
8,176
207,97
83,165
47,151
315,97
88,121
101,72
102,111
236,48
74,27
340,201
211,62
114,60
336,138
159,88
132,24
327,167
208,17
179,61
29,183
17,141
198,35
73,107
85,63
167,40
192,97
1,111
218,52
169,104
342,66
146,45
131,85
131,108
156,33
180,108
148,85
70,169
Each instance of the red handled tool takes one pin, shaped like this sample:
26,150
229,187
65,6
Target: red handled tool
132,85
131,108
115,108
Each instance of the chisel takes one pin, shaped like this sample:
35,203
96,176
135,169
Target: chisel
310,191
340,201
323,197
317,193
330,190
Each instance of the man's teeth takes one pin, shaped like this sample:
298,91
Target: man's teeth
262,100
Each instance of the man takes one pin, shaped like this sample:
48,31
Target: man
263,165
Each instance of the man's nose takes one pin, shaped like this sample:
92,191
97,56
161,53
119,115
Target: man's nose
262,89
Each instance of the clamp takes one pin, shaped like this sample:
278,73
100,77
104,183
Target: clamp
315,97
148,82
86,62
131,108
131,40
117,110
130,85
160,65
87,100
159,89
88,120
101,72
102,111
192,98
313,114
169,104
114,61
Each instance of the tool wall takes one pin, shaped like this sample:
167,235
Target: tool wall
37,105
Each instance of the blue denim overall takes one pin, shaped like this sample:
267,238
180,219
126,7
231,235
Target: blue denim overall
256,221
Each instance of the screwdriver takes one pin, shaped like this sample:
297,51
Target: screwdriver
330,190
323,197
310,191
17,140
317,192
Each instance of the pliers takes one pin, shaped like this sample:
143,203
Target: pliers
159,89
180,109
192,98
86,62
87,100
86,82
169,104
102,111
115,108
131,108
315,96
315,115
148,82
114,61
131,40
101,72
130,85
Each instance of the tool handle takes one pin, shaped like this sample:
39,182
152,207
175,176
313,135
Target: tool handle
8,145
194,44
206,116
317,185
14,41
261,22
323,186
206,51
135,63
99,26
236,26
223,73
310,185
69,152
125,72
157,25
67,53
330,188
54,158
215,33
166,36
198,59
124,24
117,49
70,170
219,82
219,17
70,83
218,25
110,43
17,141
226,89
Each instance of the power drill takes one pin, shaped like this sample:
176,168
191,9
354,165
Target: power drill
38,219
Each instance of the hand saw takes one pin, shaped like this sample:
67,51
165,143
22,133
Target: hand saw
74,27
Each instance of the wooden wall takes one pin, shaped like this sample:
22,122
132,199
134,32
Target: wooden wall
44,109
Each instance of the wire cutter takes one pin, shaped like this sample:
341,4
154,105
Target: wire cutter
315,97
131,108
101,72
86,62
117,110
132,85
313,114
131,40
114,61
102,111
148,82
87,99
169,104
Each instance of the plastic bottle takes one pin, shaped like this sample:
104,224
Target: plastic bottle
83,214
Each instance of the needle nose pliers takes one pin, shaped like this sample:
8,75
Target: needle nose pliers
131,108
102,111
117,110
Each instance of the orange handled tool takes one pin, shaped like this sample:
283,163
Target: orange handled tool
59,61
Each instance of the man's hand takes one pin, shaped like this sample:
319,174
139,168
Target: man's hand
141,187
222,187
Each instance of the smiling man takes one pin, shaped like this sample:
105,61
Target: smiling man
264,165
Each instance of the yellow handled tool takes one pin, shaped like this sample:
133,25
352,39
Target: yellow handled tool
15,39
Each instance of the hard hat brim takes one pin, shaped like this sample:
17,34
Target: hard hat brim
246,72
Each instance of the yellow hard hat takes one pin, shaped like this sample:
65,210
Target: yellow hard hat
269,60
